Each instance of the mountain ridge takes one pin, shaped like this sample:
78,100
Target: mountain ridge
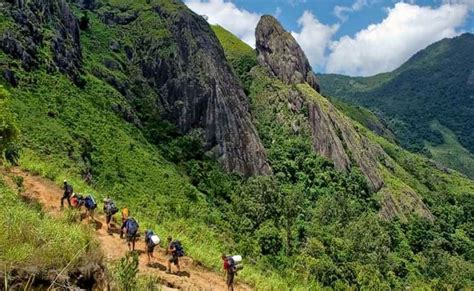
432,86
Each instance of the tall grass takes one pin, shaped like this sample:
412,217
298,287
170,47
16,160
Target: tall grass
32,238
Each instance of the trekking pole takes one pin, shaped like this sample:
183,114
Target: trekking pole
68,264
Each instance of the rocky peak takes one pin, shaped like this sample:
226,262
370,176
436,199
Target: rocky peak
279,52
198,89
332,135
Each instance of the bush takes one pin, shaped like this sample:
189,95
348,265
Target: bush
126,270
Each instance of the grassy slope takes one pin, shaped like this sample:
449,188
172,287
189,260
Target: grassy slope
65,131
451,153
233,46
61,138
29,238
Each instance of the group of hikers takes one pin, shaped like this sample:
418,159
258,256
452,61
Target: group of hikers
130,227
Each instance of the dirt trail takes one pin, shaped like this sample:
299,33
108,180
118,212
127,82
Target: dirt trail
191,277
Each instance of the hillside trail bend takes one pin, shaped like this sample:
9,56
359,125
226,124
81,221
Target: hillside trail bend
192,275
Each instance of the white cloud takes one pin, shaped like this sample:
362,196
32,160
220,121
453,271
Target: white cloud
296,2
314,37
278,12
384,46
239,21
341,11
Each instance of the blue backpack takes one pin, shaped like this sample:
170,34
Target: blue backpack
132,226
179,248
89,202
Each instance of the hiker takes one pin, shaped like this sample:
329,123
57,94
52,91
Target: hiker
174,251
230,270
124,214
91,205
130,228
151,241
67,194
109,209
77,200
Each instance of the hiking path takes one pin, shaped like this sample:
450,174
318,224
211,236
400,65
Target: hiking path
192,275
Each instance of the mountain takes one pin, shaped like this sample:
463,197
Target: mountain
228,149
303,131
427,103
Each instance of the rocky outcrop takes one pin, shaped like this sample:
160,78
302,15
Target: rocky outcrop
197,89
24,41
279,52
325,139
407,203
89,276
335,137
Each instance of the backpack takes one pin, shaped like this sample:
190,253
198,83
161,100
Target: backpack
132,226
110,208
234,265
89,202
178,248
152,239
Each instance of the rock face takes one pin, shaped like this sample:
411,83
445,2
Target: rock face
279,52
197,89
186,72
333,135
25,41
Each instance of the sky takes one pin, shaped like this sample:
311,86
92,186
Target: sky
351,37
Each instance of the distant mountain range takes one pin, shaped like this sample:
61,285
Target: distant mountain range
428,102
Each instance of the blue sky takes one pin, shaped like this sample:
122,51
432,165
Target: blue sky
353,37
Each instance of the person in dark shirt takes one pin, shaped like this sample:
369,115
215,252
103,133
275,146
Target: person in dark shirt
130,228
67,194
173,255
230,271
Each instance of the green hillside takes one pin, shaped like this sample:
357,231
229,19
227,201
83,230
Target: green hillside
104,114
436,84
338,228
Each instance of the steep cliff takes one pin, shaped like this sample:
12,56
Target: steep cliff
164,59
198,89
28,37
281,54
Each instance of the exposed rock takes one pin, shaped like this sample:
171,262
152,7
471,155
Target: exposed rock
13,47
279,52
116,17
66,44
325,139
86,4
198,89
405,203
24,44
335,137
9,75
333,134
115,46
